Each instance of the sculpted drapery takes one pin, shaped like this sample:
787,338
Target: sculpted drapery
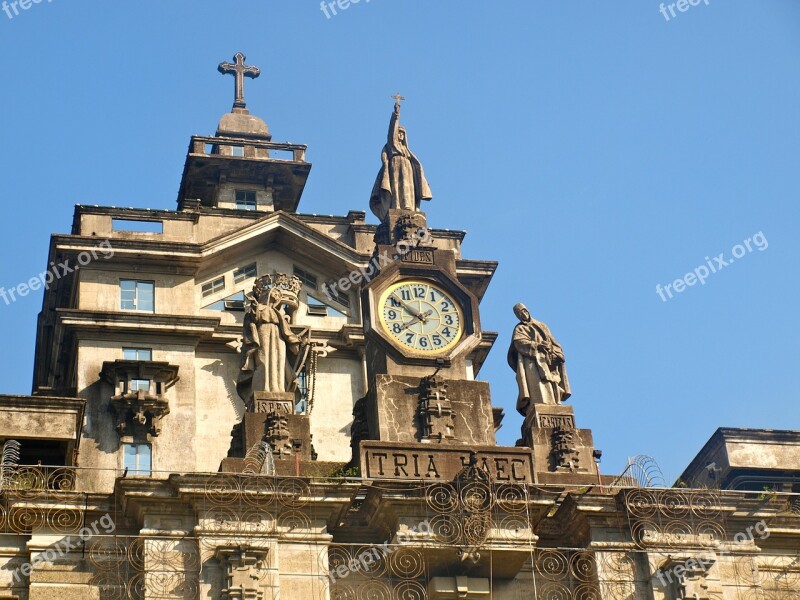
401,181
266,339
538,360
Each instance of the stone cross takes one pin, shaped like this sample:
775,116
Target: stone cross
398,98
239,70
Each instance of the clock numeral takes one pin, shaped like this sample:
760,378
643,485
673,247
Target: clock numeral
437,339
446,332
445,306
393,315
433,296
397,328
406,294
419,292
423,342
410,338
448,319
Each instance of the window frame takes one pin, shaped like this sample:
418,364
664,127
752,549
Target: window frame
136,300
137,470
239,271
214,289
245,204
137,352
306,277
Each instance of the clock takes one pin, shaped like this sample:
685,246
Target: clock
420,316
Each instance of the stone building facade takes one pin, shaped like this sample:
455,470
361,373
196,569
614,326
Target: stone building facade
179,444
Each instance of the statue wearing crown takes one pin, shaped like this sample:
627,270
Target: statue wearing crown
267,338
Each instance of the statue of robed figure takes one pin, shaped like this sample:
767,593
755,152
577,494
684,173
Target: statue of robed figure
266,340
538,360
401,181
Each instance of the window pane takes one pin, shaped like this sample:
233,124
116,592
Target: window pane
244,273
129,461
145,459
137,354
245,200
137,295
139,384
144,296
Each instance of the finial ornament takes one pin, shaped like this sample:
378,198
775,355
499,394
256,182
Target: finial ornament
239,70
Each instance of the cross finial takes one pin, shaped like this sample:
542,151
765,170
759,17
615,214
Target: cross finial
239,70
398,98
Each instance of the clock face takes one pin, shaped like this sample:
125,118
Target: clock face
421,316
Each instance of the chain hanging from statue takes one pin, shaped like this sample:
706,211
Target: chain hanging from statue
268,341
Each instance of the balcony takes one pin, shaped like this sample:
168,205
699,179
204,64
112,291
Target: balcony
139,401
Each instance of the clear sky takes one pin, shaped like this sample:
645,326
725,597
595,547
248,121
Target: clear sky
595,149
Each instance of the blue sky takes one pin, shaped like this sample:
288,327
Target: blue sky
594,149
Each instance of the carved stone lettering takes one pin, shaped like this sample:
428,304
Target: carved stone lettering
278,406
421,461
553,421
418,256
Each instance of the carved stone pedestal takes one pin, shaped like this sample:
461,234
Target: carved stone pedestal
270,419
400,225
559,447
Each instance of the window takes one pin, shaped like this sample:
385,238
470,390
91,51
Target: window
244,273
302,386
214,286
137,354
306,277
237,150
318,308
138,459
245,200
139,385
234,302
137,226
137,295
332,292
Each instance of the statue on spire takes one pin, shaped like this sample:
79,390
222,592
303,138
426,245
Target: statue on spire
401,182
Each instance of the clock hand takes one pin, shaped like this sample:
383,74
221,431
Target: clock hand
408,308
421,317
